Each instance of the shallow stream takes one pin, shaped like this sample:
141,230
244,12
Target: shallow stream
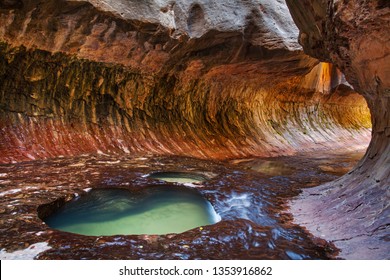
249,195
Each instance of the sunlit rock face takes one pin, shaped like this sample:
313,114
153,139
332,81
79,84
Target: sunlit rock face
211,79
354,36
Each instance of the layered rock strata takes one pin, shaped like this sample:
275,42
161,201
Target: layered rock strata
209,80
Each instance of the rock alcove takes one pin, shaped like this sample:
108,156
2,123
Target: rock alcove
99,93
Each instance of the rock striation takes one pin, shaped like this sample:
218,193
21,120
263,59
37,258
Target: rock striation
147,77
354,210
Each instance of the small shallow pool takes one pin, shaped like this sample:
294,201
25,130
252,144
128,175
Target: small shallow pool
178,177
150,210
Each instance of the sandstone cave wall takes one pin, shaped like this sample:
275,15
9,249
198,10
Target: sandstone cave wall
56,104
354,210
85,77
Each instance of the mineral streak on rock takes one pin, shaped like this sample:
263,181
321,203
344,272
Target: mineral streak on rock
354,210
56,105
113,77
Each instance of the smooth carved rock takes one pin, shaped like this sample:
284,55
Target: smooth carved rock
66,106
150,35
270,19
354,36
196,21
147,43
234,83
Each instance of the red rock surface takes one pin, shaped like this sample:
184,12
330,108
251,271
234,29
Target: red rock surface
248,194
354,210
229,93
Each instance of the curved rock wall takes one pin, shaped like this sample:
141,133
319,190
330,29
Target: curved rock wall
211,79
151,36
53,104
354,210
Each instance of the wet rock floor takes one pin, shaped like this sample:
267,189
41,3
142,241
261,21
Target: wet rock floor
250,195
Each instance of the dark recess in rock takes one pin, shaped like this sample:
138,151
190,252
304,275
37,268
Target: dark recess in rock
196,21
11,4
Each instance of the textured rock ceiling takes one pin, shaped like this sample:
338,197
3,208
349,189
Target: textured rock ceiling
243,87
195,18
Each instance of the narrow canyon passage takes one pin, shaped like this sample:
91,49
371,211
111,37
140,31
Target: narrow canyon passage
99,94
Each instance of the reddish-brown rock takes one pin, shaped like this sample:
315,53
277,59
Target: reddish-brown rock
354,210
230,92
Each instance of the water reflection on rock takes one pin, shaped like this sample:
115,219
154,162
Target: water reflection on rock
272,168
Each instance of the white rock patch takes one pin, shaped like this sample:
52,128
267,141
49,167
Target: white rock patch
27,254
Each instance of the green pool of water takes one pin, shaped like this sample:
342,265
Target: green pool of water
155,210
178,177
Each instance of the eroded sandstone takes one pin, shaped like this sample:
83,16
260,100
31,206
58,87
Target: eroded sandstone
211,79
354,210
90,80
